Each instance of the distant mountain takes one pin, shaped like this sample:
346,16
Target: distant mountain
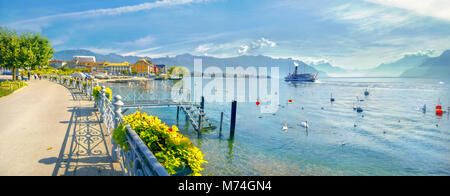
436,67
396,68
187,60
67,55
329,69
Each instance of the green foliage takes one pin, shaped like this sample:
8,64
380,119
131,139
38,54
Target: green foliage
27,50
119,136
96,91
174,151
8,87
177,71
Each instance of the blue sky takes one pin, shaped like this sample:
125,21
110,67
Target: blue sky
350,34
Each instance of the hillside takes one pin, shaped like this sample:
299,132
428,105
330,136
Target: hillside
396,68
436,67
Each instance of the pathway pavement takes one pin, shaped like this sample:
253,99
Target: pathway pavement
48,129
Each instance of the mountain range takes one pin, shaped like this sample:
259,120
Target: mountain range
412,65
187,60
432,67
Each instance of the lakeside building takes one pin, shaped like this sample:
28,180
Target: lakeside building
116,68
56,63
143,67
84,58
160,69
73,64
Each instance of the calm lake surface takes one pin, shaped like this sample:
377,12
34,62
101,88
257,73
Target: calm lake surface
391,137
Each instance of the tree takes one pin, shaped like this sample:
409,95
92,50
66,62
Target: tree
10,50
27,50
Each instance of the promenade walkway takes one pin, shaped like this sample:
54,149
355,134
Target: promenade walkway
48,129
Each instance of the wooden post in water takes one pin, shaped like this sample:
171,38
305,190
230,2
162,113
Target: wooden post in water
221,121
178,112
202,103
233,119
200,122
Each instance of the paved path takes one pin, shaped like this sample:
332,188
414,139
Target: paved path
48,129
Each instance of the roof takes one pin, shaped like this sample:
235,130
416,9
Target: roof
148,61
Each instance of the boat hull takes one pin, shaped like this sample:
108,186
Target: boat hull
300,78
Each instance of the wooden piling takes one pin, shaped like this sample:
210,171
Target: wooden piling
221,121
233,119
200,122
178,112
202,103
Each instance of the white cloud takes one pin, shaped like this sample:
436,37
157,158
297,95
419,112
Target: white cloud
434,8
252,46
367,18
36,24
203,48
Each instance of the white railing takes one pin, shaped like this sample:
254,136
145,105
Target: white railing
138,160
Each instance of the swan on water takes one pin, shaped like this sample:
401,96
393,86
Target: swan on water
285,128
304,124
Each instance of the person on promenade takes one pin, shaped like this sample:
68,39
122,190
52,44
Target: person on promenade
35,77
29,76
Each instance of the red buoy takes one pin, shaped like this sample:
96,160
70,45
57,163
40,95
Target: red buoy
257,102
290,100
438,107
439,112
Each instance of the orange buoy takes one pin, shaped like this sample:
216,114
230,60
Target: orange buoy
439,112
257,102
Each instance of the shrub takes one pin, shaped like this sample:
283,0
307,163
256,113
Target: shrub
96,91
174,151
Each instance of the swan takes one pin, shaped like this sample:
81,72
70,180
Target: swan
285,128
304,124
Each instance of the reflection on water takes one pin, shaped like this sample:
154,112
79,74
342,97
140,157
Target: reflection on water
392,136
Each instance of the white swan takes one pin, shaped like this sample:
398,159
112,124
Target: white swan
304,124
285,128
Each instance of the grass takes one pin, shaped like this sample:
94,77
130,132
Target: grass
8,87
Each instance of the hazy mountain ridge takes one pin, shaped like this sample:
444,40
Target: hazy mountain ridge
187,60
330,69
398,67
433,67
415,65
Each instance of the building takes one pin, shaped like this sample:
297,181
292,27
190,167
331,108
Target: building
143,67
160,69
56,63
114,68
73,64
84,58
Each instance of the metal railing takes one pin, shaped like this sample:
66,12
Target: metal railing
138,160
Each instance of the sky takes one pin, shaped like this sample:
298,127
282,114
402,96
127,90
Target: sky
352,34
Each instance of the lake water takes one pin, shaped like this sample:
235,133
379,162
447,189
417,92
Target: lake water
391,137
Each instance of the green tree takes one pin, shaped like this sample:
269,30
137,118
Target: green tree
10,50
26,50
